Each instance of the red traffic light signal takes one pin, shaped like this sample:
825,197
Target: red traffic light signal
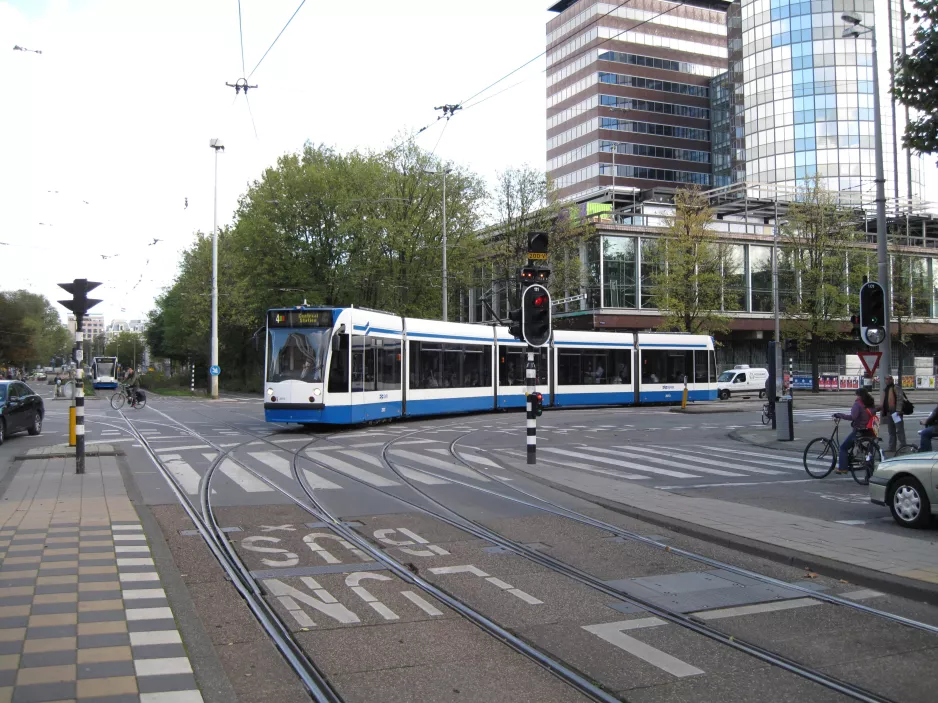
535,311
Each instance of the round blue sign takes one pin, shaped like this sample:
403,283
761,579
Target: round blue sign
214,370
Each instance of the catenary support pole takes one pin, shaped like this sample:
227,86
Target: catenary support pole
530,373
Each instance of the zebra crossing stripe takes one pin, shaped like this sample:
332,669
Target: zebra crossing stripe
623,464
343,467
582,467
248,482
668,462
283,466
439,464
704,460
793,460
187,476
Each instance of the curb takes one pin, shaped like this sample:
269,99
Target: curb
737,437
888,583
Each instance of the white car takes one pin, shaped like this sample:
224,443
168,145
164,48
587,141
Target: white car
908,484
742,380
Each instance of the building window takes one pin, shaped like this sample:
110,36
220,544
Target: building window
649,251
619,272
734,278
760,274
697,113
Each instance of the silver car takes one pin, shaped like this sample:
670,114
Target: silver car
909,486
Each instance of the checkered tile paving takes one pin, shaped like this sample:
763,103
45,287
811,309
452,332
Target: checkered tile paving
83,617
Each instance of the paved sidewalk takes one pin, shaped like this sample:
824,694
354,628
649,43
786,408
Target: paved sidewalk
83,615
862,552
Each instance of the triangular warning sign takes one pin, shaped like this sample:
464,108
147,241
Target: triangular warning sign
870,360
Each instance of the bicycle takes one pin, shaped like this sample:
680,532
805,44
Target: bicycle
767,414
139,401
906,449
821,454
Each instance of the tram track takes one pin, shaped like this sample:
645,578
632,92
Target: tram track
254,594
483,532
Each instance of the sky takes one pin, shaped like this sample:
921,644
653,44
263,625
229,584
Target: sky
104,137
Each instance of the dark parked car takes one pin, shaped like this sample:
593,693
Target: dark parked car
20,409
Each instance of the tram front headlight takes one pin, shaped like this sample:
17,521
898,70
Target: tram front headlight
317,392
270,391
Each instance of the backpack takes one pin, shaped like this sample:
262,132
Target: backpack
872,423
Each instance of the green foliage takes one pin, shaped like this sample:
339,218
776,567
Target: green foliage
916,79
127,347
523,204
332,229
31,332
816,248
688,264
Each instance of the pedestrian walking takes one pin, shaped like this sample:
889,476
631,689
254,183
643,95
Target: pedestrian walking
891,412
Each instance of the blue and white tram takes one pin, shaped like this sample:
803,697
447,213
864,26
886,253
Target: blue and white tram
354,365
104,372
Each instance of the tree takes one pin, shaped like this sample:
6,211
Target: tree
688,263
911,294
814,246
915,84
31,332
127,347
524,203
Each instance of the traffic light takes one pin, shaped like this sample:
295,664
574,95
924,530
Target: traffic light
80,302
537,246
535,315
872,314
534,274
855,327
537,404
514,326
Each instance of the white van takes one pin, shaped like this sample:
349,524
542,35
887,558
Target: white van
742,380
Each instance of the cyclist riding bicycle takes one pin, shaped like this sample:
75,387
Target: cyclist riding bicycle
862,417
132,385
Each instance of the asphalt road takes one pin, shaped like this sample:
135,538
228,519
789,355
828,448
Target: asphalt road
376,637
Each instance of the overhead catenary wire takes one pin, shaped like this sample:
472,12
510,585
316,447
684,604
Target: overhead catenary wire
241,35
573,57
302,2
543,53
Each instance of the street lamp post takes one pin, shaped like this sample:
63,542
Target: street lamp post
853,30
217,145
445,295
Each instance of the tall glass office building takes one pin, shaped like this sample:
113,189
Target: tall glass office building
802,101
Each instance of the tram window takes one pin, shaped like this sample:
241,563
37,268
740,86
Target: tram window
388,364
712,367
512,362
436,365
338,369
577,367
667,365
701,372
296,354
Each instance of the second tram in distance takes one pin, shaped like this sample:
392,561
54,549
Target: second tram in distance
354,365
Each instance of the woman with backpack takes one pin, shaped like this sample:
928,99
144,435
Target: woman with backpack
862,420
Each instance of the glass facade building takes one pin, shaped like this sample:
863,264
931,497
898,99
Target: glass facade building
628,94
803,96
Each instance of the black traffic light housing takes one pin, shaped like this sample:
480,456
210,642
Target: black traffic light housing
537,403
80,302
537,246
534,274
535,315
855,327
872,314
514,325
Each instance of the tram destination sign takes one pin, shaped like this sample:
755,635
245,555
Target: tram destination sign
299,318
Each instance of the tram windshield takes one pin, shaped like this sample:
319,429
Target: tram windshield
103,368
297,354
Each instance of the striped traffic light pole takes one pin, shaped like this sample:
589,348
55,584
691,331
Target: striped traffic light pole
79,400
530,373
